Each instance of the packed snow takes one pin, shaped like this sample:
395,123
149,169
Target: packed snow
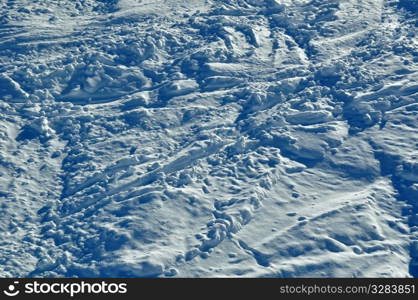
209,138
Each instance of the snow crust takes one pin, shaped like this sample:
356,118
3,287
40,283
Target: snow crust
217,138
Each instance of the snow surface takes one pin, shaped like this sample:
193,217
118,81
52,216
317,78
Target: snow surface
218,138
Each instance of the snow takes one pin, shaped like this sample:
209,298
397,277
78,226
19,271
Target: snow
208,138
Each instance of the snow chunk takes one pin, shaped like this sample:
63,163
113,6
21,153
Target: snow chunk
221,82
309,117
179,88
10,88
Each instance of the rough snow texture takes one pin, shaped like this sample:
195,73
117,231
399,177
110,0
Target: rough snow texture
209,138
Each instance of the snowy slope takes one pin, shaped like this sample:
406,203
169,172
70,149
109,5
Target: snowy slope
209,138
